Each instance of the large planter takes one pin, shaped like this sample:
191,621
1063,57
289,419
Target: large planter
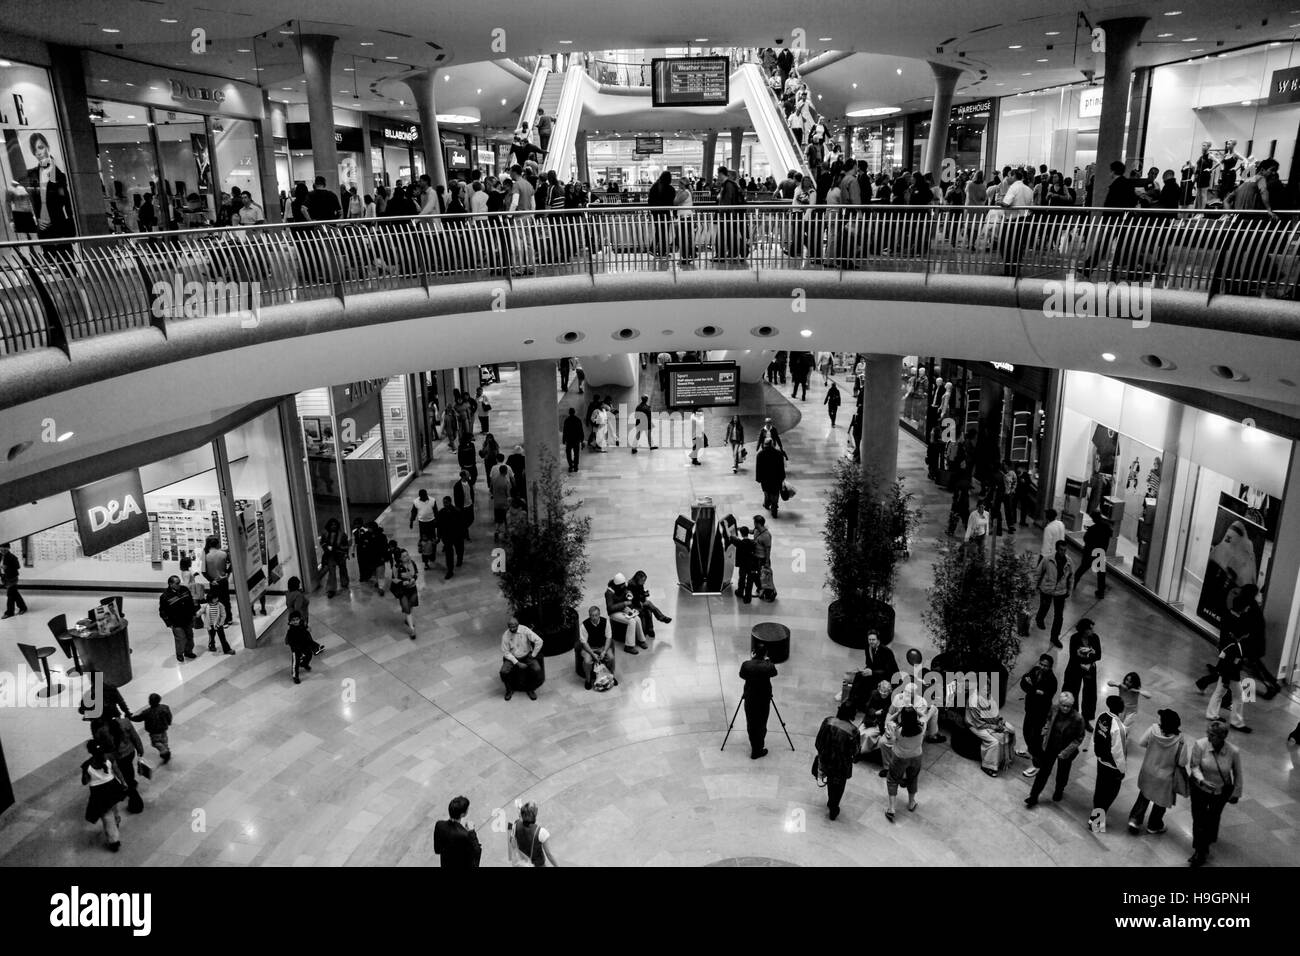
848,625
556,640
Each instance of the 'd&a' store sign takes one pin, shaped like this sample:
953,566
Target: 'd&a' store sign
110,512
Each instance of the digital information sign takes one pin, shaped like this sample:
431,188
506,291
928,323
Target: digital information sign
647,145
690,81
703,385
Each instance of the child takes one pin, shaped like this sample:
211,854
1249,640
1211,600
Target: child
301,646
214,616
1130,691
157,717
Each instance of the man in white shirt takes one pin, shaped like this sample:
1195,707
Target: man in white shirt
521,669
1053,532
521,227
1015,231
977,527
250,213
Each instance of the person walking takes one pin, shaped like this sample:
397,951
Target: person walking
907,734
214,619
757,673
302,646
462,494
1063,734
735,439
573,437
527,843
405,588
837,747
451,533
1216,781
177,610
295,599
157,718
334,556
1096,542
484,407
10,567
454,839
99,772
699,440
642,424
977,529
769,472
832,401
1081,669
424,510
746,569
1163,776
762,551
1054,579
1039,685
1110,744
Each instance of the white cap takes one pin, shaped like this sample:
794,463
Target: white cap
619,579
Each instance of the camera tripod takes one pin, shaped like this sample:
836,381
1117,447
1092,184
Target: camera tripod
739,704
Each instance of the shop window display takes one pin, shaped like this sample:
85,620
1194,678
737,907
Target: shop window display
37,197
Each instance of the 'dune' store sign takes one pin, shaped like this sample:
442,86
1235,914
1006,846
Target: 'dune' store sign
110,512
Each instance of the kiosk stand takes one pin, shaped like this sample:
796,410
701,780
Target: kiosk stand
704,548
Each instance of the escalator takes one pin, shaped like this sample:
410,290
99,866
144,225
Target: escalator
768,120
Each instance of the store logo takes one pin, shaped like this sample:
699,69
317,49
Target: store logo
101,516
1107,300
75,909
184,91
179,299
408,135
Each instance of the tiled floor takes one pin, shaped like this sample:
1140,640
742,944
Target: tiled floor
356,764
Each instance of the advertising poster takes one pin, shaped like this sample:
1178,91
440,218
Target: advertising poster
254,567
267,532
37,198
1236,552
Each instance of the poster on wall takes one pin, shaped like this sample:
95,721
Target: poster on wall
37,201
254,567
268,535
202,161
1236,553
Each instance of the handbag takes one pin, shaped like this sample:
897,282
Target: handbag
787,491
1182,779
144,769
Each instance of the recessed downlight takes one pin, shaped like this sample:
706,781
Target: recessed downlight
65,436
1157,361
18,449
568,338
806,333
1108,356
708,331
1229,374
764,331
624,335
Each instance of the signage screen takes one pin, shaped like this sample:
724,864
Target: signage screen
1090,102
457,157
110,512
703,384
690,81
646,145
1284,87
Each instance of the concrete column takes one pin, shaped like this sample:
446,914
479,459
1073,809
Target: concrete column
299,506
846,141
538,391
1121,41
235,543
1053,409
421,86
1284,580
881,407
580,151
737,143
1166,523
1139,111
317,52
266,166
945,84
710,155
80,160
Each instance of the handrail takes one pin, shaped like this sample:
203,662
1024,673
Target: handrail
56,292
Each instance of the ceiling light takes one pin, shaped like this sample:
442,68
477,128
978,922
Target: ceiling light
461,114
999,84
390,58
1202,50
367,43
243,49
1014,46
5,63
1163,36
479,91
1173,13
855,86
1108,356
899,71
806,333
132,115
110,29
258,69
872,111
286,33
1026,74
566,42
1247,103
701,40
1052,33
287,89
65,436
503,102
825,39
1189,39
349,69
1043,60
168,20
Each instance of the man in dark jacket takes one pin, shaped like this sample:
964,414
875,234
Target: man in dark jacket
454,840
1096,542
880,660
746,566
323,203
451,532
573,435
10,567
1062,736
757,673
837,746
1120,194
769,472
177,610
1039,685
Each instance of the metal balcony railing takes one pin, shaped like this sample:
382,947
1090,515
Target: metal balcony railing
60,291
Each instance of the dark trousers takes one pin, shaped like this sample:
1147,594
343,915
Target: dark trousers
215,634
571,454
1009,508
126,766
1083,685
1057,604
454,553
832,410
1044,765
1207,808
745,584
1140,810
798,385
756,710
13,600
959,510
772,499
834,791
1107,789
299,660
1014,234
525,675
1033,733
1101,579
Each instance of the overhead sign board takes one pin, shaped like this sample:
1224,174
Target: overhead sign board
703,384
110,512
690,81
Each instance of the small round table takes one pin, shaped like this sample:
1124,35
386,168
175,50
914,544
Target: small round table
775,637
108,654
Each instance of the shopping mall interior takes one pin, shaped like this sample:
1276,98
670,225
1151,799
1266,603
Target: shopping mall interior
921,294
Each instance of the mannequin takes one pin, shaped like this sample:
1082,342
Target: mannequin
1205,167
1230,167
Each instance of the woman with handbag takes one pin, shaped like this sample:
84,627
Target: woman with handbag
404,589
1163,777
1216,781
528,844
736,439
100,774
483,408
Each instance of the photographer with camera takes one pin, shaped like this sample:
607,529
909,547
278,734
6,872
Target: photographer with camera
757,673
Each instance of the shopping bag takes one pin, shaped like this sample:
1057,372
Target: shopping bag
354,570
145,770
787,491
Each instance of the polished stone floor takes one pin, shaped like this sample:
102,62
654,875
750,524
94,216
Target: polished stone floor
354,765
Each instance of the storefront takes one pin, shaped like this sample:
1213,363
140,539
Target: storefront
182,139
363,441
1057,127
968,126
881,144
1248,96
130,532
1194,499
349,144
396,151
37,199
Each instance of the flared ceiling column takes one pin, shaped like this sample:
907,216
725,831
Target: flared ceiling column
317,51
421,86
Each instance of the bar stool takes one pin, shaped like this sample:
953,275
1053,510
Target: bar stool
59,628
37,660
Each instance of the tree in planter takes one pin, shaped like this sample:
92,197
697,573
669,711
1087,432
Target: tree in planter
862,536
976,607
546,556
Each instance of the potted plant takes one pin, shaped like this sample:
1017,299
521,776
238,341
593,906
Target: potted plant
865,536
546,561
975,608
